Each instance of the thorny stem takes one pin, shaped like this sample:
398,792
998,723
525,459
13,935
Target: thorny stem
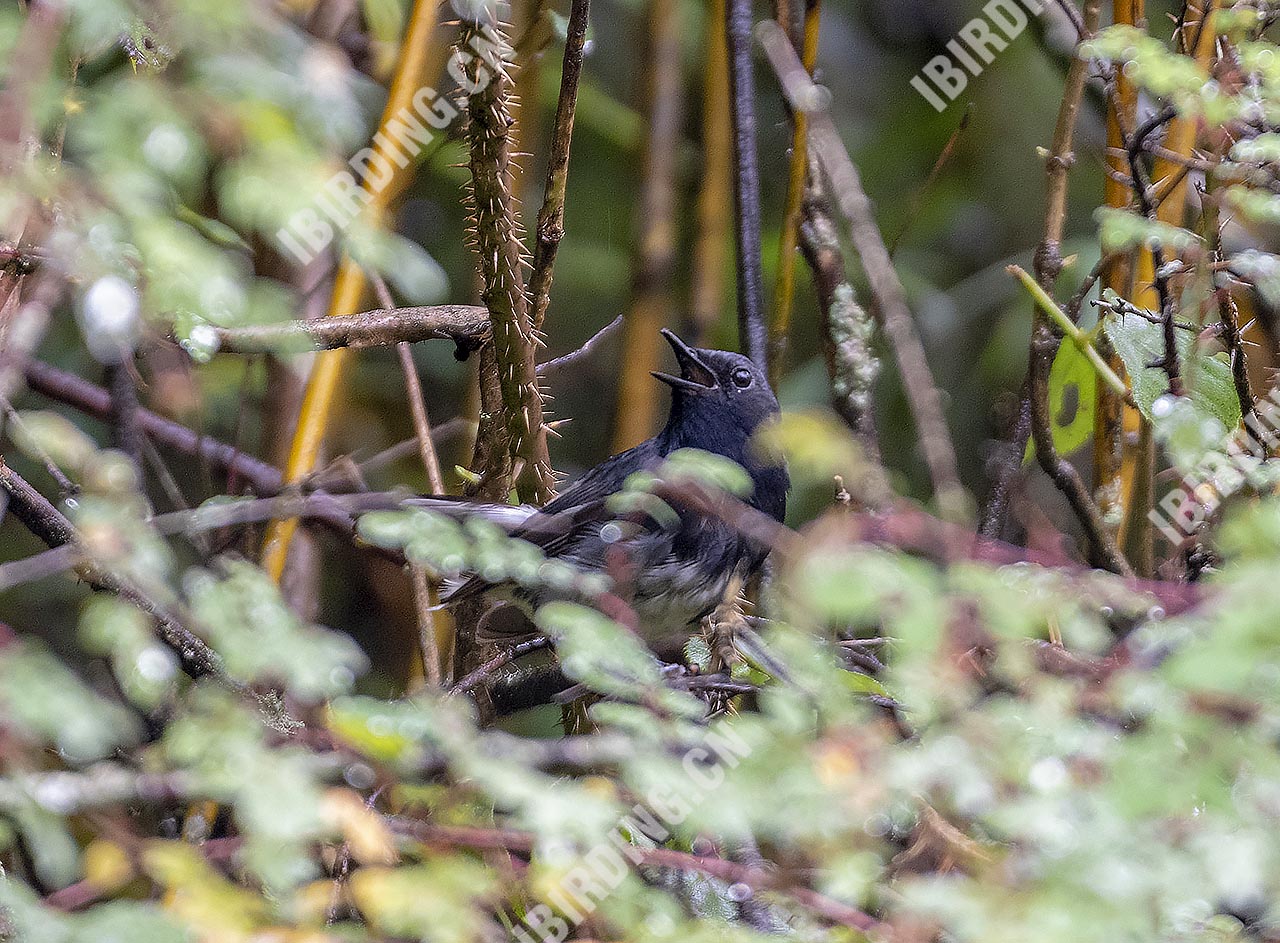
499,251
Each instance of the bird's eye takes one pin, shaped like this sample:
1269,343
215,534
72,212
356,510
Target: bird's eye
742,378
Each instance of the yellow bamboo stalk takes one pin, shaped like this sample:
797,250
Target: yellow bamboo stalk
785,287
1170,182
1112,476
419,58
636,416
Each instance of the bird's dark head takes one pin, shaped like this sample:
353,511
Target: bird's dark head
718,402
718,385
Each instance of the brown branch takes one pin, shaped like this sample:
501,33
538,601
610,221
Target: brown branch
95,401
329,509
756,878
466,325
847,328
51,526
1048,264
886,289
551,217
497,662
1044,345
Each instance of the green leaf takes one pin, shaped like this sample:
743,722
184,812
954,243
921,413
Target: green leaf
1207,377
1073,400
145,668
42,700
1122,229
260,638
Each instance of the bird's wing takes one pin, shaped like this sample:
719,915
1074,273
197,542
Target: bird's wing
576,514
606,478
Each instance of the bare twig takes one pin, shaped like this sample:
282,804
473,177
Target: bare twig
551,217
1048,264
466,325
552,367
425,591
94,400
48,523
756,878
497,662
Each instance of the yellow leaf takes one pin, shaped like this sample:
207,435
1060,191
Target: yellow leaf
364,831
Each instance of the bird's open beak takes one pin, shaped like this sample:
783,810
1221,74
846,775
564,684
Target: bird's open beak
695,375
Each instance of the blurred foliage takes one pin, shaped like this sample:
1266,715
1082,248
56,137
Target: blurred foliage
961,749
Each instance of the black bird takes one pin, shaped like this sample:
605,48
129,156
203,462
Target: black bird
682,570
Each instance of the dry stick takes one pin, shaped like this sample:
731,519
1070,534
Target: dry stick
73,391
425,592
706,291
335,510
551,217
499,250
550,368
939,165
636,414
48,523
497,662
886,289
752,331
466,325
